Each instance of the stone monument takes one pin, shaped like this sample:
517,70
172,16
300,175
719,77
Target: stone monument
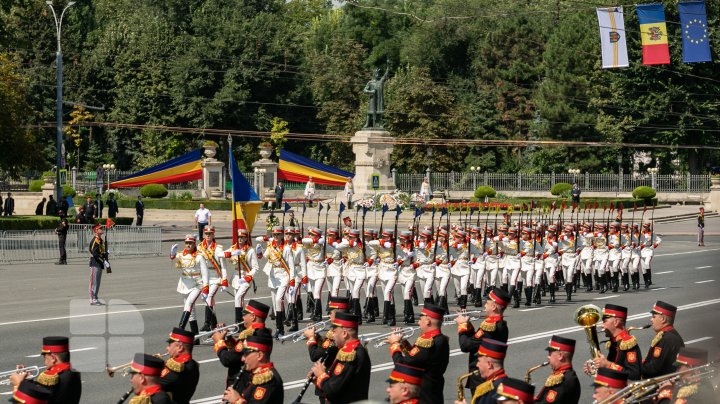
265,172
213,173
372,144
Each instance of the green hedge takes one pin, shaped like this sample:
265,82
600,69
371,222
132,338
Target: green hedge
643,192
561,188
68,190
153,191
35,185
482,191
28,222
175,204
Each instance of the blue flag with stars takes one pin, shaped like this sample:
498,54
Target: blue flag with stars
695,35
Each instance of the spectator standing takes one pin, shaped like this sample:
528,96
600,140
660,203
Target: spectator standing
701,227
139,211
1,206
80,216
40,207
113,209
349,192
98,206
575,193
203,217
9,205
51,209
293,220
61,232
310,191
279,191
89,209
425,190
63,205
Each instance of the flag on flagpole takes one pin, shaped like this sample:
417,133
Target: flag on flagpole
695,36
612,37
653,33
246,203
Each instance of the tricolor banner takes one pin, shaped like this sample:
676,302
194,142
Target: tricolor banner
246,203
180,169
612,37
695,35
653,33
295,168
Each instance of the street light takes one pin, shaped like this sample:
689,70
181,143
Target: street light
574,172
653,173
107,168
58,65
474,170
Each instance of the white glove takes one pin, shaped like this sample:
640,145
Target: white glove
411,254
395,266
173,250
485,255
421,245
325,264
236,253
366,265
304,286
387,244
335,244
433,266
222,289
258,250
291,291
321,240
519,255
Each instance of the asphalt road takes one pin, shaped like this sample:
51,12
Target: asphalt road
42,299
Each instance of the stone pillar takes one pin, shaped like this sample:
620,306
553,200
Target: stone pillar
714,194
267,173
213,175
48,188
372,156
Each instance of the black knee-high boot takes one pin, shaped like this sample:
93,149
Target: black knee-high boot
552,292
568,291
414,295
299,308
317,310
370,311
386,312
626,282
290,315
195,330
358,310
376,306
528,295
279,324
462,302
208,317
310,303
328,302
391,319
184,317
239,313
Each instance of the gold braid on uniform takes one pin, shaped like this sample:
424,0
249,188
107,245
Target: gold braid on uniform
482,389
343,356
262,378
141,399
688,391
627,344
554,379
487,326
424,342
246,333
48,380
174,365
657,339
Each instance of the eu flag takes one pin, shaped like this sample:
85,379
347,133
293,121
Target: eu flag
695,36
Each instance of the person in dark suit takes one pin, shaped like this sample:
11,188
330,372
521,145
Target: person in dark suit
90,210
62,231
51,207
279,191
9,205
113,209
263,384
139,211
40,207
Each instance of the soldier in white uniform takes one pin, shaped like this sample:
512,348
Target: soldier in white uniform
634,256
355,266
194,274
649,241
314,245
442,267
406,273
460,266
387,268
491,260
527,263
372,307
550,260
424,264
585,241
511,253
568,250
614,256
503,271
295,309
280,270
214,256
600,256
243,259
334,261
477,266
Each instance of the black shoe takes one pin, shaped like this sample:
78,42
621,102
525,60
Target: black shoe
279,324
410,313
61,263
208,315
462,302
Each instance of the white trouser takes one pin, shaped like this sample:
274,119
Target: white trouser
599,264
550,267
442,278
586,265
334,284
407,289
278,297
315,287
189,302
645,263
240,293
210,301
461,284
371,289
614,265
538,271
388,286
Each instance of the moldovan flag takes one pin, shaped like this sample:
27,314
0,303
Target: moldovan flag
695,36
654,34
612,37
246,203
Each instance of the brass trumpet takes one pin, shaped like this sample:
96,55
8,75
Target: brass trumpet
299,335
126,367
449,319
33,371
205,337
381,339
532,369
587,317
460,387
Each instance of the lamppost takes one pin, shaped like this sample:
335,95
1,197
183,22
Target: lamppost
574,172
107,168
474,171
58,66
653,176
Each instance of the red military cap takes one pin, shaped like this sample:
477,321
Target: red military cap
515,389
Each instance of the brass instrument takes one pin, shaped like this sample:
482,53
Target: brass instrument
299,335
587,317
126,366
532,369
33,371
381,339
460,387
449,319
206,337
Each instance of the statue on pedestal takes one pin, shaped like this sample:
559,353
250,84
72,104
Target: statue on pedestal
376,107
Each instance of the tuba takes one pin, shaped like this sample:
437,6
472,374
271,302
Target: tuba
461,381
587,317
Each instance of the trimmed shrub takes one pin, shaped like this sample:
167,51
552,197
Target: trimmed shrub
482,191
68,190
28,222
643,192
153,191
561,189
35,185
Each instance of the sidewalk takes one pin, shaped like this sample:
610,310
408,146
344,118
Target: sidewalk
177,223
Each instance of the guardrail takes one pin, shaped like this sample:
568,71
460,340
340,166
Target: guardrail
18,246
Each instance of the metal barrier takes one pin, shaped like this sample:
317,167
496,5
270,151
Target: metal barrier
42,245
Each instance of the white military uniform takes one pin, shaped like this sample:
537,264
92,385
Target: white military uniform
315,264
550,258
460,270
245,262
334,268
648,243
354,269
600,253
442,269
568,257
387,270
585,242
511,269
279,268
424,266
214,257
406,269
194,274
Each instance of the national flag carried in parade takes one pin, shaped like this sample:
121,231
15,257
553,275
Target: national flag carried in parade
695,36
612,37
653,33
246,203
296,168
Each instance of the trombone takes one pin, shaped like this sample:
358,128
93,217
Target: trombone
205,337
126,367
33,372
299,335
381,340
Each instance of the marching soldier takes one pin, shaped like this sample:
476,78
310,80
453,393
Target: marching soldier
59,377
406,273
182,373
347,379
145,374
424,264
569,258
229,350
635,257
387,272
511,252
548,248
491,367
562,386
585,243
334,261
431,351
608,382
280,270
324,348
460,266
492,261
660,359
477,266
295,310
29,392
623,351
404,384
493,327
527,263
690,389
314,245
245,261
614,256
442,267
214,256
600,256
194,274
355,268
372,307
649,242
626,246
263,384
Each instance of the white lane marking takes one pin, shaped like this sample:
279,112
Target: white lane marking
706,266
535,308
686,252
664,272
455,352
698,340
72,350
658,288
606,297
209,360
709,280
